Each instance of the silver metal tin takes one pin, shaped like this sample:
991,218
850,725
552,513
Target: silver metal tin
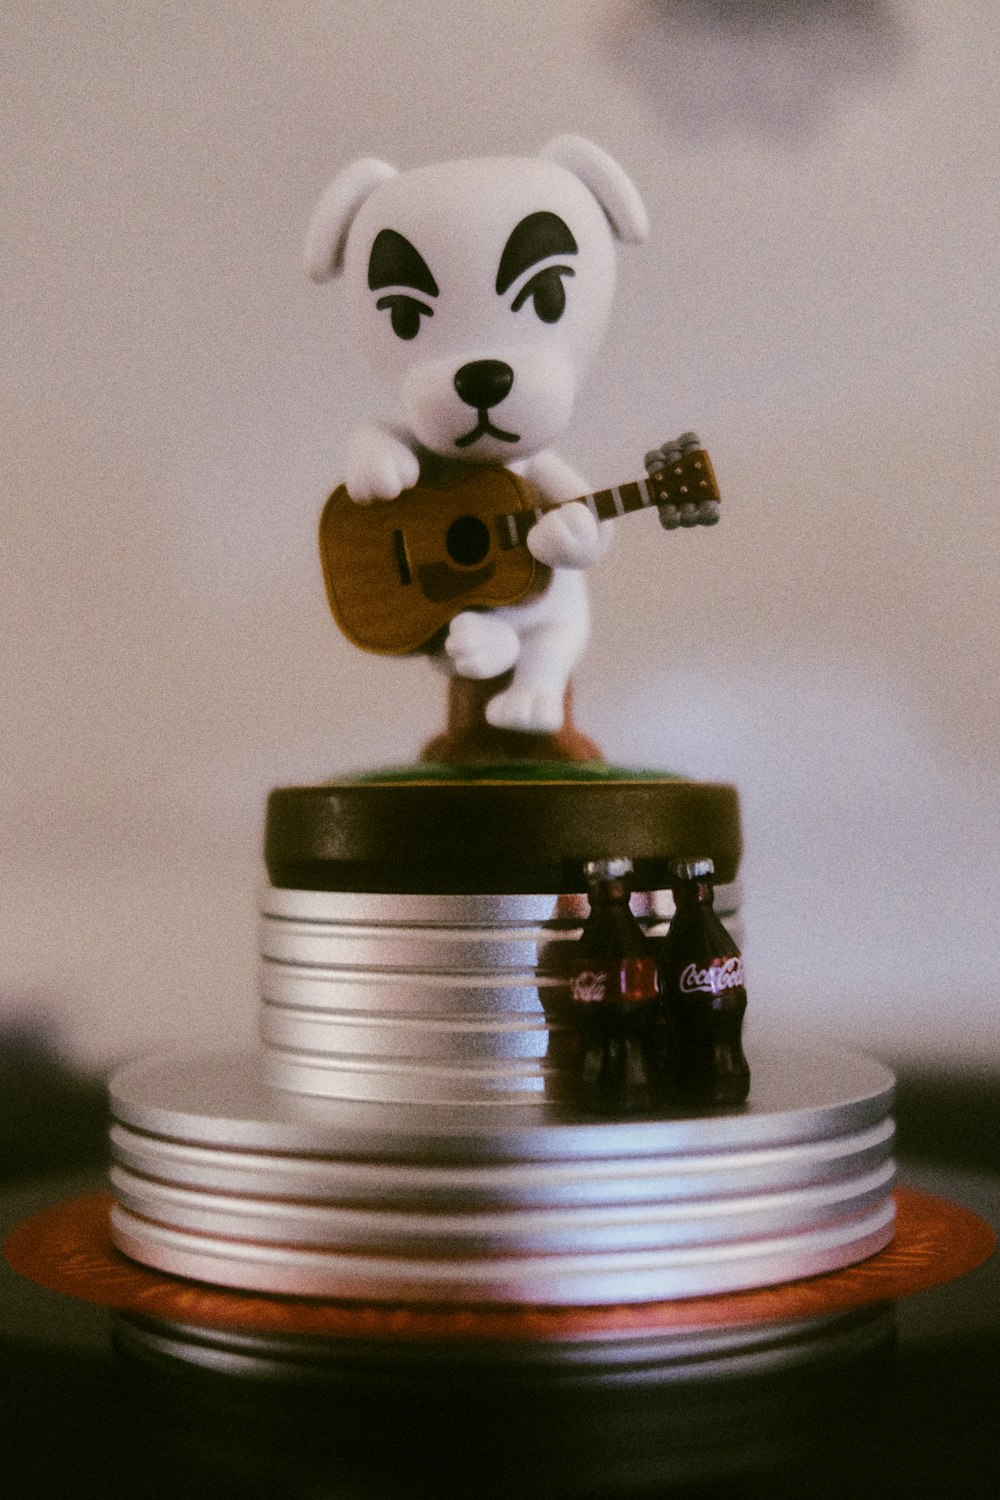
463,910
585,1183
502,1203
530,1232
800,1094
480,1039
416,1000
446,950
393,1080
593,1278
443,995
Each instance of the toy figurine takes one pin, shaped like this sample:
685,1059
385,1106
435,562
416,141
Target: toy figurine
427,963
479,290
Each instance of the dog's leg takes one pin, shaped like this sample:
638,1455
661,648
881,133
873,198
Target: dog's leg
481,645
553,631
534,700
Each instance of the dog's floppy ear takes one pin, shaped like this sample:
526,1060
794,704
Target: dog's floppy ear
335,213
613,189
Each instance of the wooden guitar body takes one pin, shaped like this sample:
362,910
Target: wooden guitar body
398,571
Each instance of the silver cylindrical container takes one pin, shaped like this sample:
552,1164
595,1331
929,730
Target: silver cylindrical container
223,1179
421,999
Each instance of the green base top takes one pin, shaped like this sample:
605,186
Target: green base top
510,770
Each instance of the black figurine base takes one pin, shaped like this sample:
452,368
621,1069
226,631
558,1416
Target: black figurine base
527,826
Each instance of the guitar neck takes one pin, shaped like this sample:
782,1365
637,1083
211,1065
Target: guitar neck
602,504
680,475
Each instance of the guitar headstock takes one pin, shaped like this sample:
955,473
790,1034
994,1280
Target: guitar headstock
683,484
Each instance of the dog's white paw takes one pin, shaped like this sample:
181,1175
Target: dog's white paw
379,466
481,645
527,709
567,537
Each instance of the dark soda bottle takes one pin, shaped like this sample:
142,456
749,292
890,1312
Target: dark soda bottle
703,996
612,1010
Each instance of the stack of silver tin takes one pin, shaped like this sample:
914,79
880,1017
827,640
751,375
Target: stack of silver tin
224,1179
420,999
402,1136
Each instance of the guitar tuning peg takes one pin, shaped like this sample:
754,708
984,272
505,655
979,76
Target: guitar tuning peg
654,460
708,513
670,517
688,441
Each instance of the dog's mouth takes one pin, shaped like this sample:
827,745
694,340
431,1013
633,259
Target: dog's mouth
485,428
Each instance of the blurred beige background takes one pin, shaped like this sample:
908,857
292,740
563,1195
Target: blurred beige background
818,298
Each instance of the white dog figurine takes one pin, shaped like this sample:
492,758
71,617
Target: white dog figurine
479,291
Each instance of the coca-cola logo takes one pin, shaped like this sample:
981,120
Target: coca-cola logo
590,984
720,975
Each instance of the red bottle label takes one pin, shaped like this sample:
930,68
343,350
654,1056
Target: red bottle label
631,979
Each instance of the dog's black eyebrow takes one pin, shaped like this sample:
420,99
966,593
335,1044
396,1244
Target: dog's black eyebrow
535,238
395,262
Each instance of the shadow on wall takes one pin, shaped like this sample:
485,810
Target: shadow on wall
773,69
52,1117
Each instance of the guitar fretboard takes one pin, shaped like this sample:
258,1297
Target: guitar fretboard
687,482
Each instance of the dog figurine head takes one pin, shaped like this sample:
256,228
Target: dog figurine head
479,289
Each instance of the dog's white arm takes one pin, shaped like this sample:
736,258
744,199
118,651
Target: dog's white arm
379,464
568,537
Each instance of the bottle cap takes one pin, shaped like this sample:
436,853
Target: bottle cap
607,869
692,869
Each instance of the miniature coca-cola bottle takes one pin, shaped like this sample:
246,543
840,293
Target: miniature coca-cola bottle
703,996
612,1001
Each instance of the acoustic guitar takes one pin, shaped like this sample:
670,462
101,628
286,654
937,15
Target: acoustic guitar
398,571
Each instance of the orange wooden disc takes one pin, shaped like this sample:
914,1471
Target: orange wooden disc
68,1249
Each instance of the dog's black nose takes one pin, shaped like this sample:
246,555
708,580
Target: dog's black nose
484,382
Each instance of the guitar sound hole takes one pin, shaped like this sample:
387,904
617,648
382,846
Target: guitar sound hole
467,541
